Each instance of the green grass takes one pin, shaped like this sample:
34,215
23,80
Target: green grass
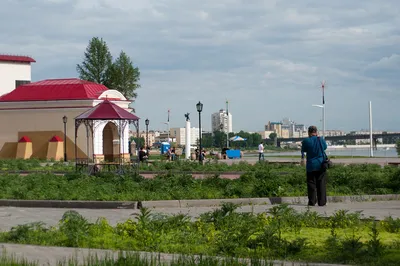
260,180
283,234
135,259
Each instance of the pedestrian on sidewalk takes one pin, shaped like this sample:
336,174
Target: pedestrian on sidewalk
314,147
261,151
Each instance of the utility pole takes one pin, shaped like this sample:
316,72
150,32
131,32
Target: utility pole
371,145
168,126
323,109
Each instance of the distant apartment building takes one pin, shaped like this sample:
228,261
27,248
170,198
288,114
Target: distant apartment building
275,127
265,134
299,128
179,134
152,136
300,134
287,128
285,133
220,121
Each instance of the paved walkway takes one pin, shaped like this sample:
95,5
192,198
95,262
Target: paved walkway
11,216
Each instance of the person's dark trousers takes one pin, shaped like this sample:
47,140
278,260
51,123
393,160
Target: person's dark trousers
260,155
316,186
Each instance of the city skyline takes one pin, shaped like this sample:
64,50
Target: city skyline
268,58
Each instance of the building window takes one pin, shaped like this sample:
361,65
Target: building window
21,82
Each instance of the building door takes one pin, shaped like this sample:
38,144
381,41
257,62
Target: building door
110,136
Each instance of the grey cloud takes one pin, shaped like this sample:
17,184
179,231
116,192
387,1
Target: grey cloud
267,57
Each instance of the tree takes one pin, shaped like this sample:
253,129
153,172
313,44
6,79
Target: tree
273,136
96,63
206,140
124,77
98,66
219,139
398,147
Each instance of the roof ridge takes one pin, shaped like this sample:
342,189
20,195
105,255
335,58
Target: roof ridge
55,89
19,58
1,54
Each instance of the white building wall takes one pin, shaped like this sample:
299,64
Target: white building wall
98,137
221,118
180,135
10,72
194,135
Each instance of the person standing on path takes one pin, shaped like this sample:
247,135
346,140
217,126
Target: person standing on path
261,151
314,147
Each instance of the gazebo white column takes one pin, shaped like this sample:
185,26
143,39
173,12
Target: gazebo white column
124,140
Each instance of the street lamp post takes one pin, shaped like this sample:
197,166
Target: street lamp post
65,120
147,122
323,117
199,107
323,105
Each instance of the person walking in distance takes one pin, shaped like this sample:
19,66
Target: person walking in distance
261,151
314,148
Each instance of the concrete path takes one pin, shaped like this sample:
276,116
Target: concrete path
11,216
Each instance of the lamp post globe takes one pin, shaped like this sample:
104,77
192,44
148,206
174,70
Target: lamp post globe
65,120
199,107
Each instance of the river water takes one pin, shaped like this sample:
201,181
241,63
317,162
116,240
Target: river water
380,152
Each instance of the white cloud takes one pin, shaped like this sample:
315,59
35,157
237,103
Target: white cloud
391,62
267,57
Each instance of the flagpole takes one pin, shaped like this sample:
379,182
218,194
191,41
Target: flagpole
168,126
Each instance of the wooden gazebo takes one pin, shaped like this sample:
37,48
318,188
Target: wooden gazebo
103,116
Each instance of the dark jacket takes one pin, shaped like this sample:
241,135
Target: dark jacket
315,155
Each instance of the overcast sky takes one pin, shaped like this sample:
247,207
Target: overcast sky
267,57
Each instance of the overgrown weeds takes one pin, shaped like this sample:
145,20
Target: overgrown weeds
260,180
283,233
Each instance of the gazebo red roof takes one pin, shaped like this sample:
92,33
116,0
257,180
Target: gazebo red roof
107,110
16,58
55,89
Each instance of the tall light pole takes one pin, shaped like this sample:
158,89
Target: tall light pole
199,107
65,120
323,117
371,145
323,104
147,122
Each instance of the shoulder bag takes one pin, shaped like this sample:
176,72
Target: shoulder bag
326,162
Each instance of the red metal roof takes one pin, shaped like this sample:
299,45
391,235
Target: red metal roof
56,139
16,58
107,110
24,139
55,89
